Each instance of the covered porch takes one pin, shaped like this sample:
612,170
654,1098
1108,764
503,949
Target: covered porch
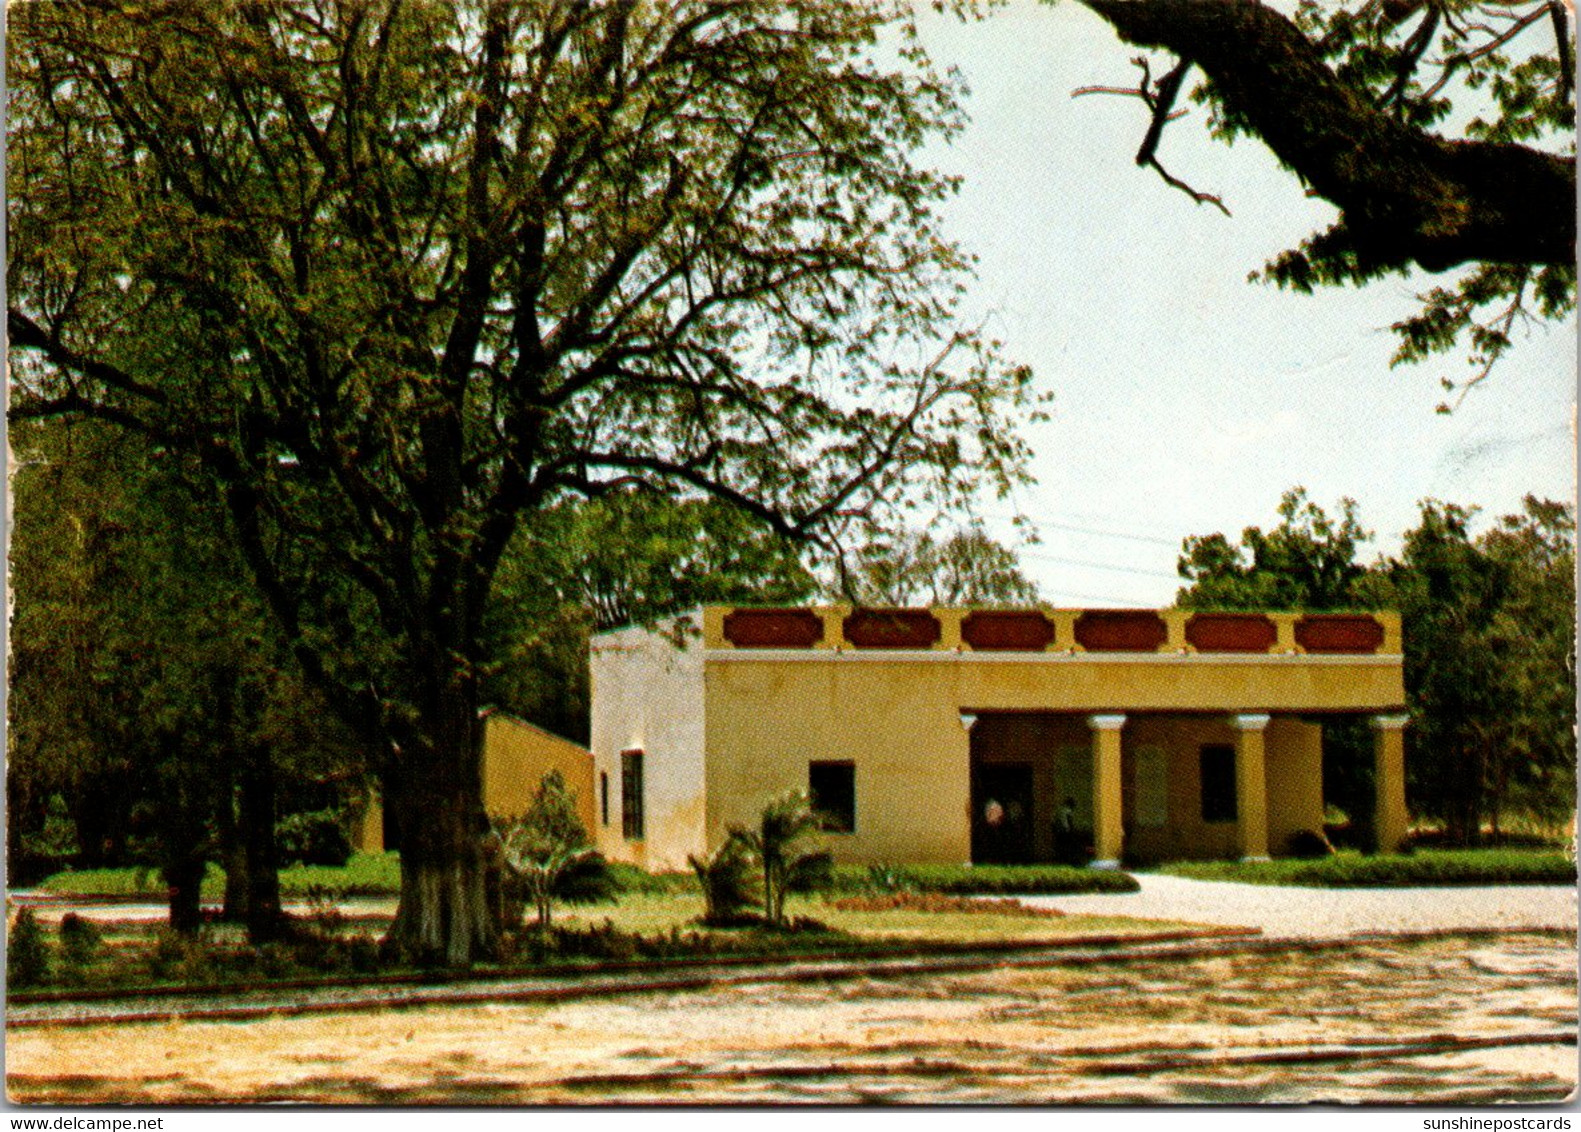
1147,786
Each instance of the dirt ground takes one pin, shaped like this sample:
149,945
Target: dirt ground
1376,1022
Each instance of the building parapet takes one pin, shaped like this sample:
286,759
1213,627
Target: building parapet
1050,630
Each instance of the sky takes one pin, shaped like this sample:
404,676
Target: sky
1186,399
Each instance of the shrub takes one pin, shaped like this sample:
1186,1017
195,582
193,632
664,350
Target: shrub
27,954
780,844
177,958
1426,868
80,940
1307,844
318,837
729,883
629,878
548,854
985,880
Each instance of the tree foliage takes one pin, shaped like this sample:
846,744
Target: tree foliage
1490,664
1489,647
1308,561
584,566
1442,131
966,567
397,274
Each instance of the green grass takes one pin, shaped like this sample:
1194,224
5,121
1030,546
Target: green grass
379,874
1424,868
366,874
656,915
655,927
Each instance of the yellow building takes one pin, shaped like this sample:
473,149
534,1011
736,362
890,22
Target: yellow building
955,735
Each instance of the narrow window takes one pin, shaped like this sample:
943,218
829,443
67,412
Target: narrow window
631,795
832,786
603,796
1218,783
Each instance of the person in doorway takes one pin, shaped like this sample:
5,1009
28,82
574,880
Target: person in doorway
1065,847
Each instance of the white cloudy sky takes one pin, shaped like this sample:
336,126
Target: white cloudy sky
1187,399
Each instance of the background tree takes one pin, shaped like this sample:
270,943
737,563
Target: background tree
584,566
1489,649
1490,669
966,567
397,275
1442,130
1307,562
148,687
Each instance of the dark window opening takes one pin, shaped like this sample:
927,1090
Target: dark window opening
833,789
631,795
1218,783
603,796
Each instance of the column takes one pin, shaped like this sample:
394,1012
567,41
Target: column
1107,830
1389,818
1251,786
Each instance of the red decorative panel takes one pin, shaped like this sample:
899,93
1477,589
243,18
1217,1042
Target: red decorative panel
1231,632
773,628
892,629
1023,630
1120,630
1339,632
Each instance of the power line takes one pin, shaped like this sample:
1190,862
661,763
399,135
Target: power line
1091,531
1130,603
1096,565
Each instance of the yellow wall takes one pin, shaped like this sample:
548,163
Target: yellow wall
766,722
517,756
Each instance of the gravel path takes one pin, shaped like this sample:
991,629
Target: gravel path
1324,913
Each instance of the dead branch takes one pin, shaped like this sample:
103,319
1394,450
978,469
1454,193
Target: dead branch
1160,101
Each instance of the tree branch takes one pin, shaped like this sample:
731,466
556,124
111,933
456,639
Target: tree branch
1406,195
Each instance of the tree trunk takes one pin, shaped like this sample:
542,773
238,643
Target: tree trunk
443,916
184,880
265,922
232,852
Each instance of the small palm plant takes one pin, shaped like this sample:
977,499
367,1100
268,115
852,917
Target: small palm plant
548,853
729,882
782,845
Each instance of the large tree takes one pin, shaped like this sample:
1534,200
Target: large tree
1442,131
1308,562
396,274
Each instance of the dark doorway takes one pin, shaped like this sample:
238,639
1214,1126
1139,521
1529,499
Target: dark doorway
1002,814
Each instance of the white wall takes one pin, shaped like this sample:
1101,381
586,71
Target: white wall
648,696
